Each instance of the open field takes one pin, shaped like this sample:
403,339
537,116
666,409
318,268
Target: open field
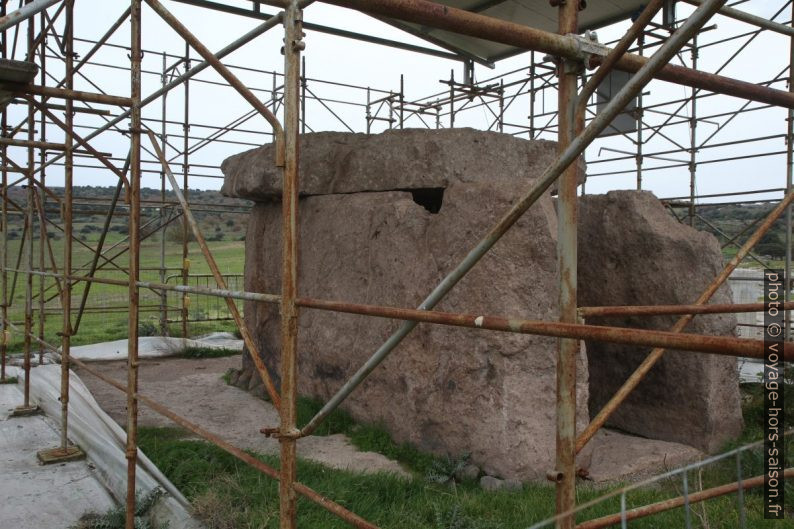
105,318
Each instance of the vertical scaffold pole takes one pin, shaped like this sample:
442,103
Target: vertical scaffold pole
31,126
134,254
693,127
638,160
4,242
163,146
789,175
186,192
304,86
402,101
68,172
43,197
568,349
532,95
289,281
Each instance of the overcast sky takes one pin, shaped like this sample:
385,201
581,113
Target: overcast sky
352,62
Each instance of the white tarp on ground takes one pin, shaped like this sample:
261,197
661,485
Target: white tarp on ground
103,441
155,346
35,496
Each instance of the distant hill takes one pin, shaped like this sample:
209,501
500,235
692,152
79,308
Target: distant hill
732,219
223,218
220,218
18,194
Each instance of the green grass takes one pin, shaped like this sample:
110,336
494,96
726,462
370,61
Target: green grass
229,494
207,352
106,319
365,437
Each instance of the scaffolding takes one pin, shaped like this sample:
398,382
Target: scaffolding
564,64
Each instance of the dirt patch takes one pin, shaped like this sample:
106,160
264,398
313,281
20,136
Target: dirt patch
195,389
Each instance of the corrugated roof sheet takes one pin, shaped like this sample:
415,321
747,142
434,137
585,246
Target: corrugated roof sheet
534,13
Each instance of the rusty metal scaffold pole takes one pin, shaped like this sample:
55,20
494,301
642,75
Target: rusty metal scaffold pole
63,452
573,138
66,297
184,299
566,158
718,345
288,431
570,121
4,233
25,12
31,126
134,259
656,354
43,239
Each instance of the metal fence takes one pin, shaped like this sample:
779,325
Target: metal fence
689,481
200,308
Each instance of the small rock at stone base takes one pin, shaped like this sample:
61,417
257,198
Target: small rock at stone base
468,473
490,483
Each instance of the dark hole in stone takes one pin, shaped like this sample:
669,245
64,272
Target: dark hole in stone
429,198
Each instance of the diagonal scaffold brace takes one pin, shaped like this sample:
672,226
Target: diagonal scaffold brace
549,176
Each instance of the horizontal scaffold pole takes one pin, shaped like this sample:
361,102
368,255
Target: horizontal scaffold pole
484,27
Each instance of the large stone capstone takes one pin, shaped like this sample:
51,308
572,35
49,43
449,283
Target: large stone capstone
410,159
382,220
633,252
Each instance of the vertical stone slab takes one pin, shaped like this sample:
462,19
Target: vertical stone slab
633,252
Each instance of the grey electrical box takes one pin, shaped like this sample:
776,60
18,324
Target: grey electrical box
627,120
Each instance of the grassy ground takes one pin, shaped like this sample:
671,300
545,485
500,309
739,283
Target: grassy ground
106,318
207,352
229,494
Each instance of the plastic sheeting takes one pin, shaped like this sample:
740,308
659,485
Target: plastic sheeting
104,441
38,496
154,346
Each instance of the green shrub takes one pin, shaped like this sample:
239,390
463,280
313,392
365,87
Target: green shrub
116,518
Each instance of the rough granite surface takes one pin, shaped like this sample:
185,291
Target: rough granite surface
367,235
446,390
341,162
633,252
